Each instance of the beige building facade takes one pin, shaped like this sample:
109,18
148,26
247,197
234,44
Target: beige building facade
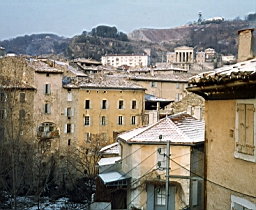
230,131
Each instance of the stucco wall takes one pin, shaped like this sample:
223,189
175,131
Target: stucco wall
224,171
111,112
139,160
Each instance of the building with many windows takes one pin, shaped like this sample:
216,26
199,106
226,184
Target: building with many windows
131,60
106,106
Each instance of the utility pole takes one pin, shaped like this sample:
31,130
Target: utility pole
167,174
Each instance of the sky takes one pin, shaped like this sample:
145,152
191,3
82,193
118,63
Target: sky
71,17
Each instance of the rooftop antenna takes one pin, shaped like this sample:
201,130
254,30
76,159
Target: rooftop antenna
199,22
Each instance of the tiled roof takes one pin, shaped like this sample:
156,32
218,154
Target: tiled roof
42,67
180,129
243,71
108,161
149,97
110,149
107,82
16,84
162,77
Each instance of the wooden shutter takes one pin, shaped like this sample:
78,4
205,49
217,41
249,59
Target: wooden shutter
48,108
241,127
69,96
72,112
66,112
249,128
65,128
72,128
150,197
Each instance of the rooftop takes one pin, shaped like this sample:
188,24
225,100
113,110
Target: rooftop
178,129
105,81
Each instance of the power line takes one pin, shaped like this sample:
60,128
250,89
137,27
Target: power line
219,185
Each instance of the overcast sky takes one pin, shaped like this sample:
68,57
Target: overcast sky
71,17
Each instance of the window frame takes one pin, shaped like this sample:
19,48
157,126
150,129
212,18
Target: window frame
160,195
87,106
121,104
237,154
133,120
2,114
134,104
120,120
22,97
47,89
104,104
242,202
87,120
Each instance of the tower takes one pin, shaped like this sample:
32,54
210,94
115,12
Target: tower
199,22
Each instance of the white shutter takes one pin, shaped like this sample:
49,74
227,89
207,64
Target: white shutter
72,112
123,123
48,108
72,128
49,89
155,84
45,88
65,128
66,112
69,96
44,108
108,104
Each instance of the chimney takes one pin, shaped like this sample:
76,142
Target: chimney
245,44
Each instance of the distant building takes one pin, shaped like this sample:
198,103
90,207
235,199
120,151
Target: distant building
132,60
2,52
182,56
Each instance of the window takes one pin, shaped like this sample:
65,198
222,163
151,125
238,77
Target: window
47,89
47,108
87,104
2,97
2,114
69,128
161,158
87,120
104,104
153,84
69,142
22,114
160,196
133,120
134,104
69,111
177,97
245,118
103,120
104,137
238,203
22,97
120,120
87,137
69,96
120,104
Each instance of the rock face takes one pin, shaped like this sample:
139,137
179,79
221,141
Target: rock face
161,35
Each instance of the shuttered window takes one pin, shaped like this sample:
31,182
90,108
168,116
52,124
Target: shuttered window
245,141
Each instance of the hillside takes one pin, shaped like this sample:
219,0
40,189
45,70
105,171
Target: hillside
36,44
107,40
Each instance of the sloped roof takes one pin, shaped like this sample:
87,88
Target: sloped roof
110,149
242,71
108,161
180,129
42,67
106,82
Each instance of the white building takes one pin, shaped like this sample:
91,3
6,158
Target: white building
132,60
